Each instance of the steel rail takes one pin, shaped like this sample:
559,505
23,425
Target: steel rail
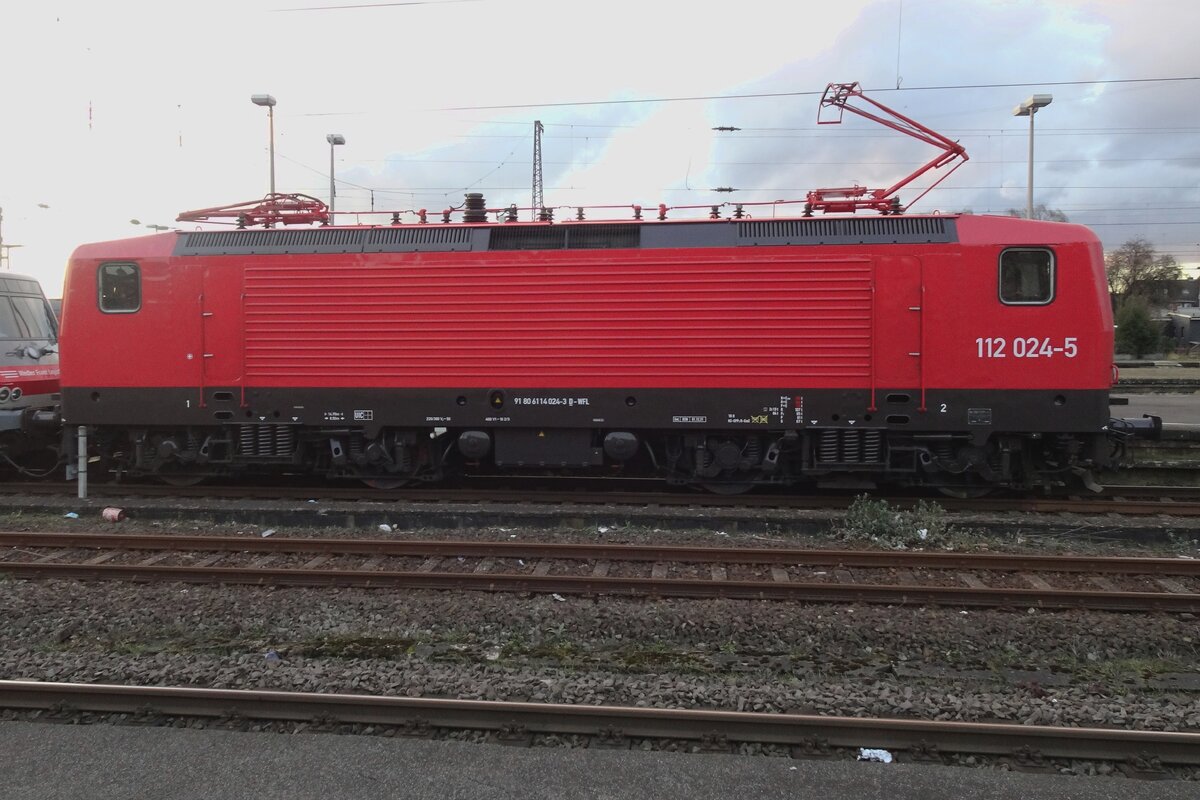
878,559
1184,504
621,586
612,724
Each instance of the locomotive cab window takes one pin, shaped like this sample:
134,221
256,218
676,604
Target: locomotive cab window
9,327
35,318
1026,277
120,288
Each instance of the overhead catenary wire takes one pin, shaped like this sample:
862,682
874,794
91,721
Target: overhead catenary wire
321,172
761,95
1125,129
496,169
817,92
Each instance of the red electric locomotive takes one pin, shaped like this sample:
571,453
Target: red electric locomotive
953,351
946,350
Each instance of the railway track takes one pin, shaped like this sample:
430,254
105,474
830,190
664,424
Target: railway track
1125,499
613,726
902,578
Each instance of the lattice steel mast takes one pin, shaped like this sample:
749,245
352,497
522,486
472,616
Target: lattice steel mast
538,199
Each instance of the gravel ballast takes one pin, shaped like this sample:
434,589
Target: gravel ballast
1075,668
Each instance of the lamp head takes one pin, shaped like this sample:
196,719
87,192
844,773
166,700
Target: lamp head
335,138
1031,105
262,100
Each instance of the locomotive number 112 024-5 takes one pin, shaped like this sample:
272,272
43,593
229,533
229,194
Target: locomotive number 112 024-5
1025,347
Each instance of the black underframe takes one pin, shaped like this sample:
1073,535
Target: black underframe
978,411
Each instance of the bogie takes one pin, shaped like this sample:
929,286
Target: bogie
723,462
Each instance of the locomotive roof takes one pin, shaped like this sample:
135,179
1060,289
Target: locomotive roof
910,230
574,235
25,284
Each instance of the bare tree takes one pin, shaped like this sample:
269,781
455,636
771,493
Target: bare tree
1040,211
1135,268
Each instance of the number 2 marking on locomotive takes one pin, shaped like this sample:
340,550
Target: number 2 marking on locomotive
943,408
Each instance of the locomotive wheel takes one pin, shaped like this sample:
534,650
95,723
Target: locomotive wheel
966,492
727,488
180,480
385,484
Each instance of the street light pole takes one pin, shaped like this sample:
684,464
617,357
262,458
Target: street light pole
334,140
268,101
1029,109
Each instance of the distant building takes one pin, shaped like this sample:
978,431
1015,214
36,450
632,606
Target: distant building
1171,295
1184,328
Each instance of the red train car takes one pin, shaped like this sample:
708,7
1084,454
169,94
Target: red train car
28,376
945,350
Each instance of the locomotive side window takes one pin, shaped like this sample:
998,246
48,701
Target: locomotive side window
1026,277
120,288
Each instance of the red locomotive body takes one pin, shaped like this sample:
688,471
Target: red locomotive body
942,350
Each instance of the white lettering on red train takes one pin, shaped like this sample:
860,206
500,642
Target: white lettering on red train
551,401
1026,347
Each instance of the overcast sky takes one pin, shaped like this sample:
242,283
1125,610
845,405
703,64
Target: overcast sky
128,110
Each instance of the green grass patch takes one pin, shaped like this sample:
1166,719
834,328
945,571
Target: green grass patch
355,646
